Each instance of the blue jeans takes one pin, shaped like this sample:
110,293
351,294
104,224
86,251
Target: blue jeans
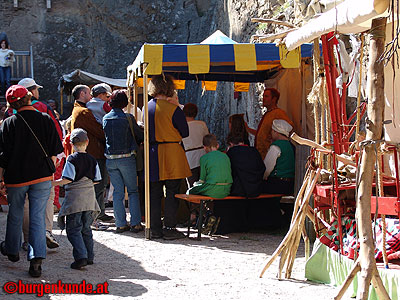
80,234
122,173
5,79
38,194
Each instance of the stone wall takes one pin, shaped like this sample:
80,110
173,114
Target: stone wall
104,37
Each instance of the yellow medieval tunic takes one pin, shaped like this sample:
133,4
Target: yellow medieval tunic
167,125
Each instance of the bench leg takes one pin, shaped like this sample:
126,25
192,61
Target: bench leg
189,222
200,220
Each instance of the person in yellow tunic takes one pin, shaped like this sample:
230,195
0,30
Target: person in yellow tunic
168,163
262,135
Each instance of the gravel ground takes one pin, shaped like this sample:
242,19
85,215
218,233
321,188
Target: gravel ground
221,267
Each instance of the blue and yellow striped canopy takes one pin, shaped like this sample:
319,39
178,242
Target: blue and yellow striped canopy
216,62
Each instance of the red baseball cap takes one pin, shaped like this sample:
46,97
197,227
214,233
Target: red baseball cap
15,92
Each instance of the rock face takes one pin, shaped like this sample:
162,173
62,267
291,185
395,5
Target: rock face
104,37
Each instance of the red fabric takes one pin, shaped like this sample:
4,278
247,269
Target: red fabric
15,92
106,107
67,145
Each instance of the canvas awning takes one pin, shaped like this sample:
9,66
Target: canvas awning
68,81
217,58
351,16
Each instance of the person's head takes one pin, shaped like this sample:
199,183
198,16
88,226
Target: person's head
4,44
270,98
79,139
162,85
280,129
31,85
68,124
102,91
53,104
210,143
119,99
18,96
237,130
190,110
81,93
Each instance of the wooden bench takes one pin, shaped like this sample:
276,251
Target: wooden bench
202,200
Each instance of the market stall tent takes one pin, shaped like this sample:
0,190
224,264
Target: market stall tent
219,58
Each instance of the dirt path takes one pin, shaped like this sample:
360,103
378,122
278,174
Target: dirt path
224,267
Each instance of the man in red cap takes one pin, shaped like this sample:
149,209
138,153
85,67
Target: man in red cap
25,172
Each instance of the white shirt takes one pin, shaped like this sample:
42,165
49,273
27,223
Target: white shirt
197,130
270,159
6,53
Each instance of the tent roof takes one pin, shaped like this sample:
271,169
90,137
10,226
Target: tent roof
68,81
216,62
351,16
218,37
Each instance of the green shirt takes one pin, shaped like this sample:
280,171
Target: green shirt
215,167
285,164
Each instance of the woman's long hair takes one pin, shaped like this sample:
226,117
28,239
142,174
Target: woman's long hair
237,133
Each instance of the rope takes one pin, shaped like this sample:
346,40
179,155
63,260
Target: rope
358,120
379,175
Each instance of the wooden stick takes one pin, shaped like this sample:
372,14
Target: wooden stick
272,21
273,36
356,268
307,142
315,178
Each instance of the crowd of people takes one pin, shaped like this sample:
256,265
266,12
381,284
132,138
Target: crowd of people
99,144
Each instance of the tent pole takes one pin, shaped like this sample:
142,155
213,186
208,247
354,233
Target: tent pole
61,100
146,157
135,100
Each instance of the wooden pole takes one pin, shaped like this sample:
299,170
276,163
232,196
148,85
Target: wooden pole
376,103
146,157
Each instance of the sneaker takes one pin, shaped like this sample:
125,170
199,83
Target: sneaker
122,229
137,228
79,264
172,234
51,241
98,226
90,262
109,204
106,218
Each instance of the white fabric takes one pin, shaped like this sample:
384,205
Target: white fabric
282,127
351,16
270,160
197,130
6,53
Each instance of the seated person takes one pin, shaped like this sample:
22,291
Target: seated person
280,161
246,162
194,142
215,171
247,173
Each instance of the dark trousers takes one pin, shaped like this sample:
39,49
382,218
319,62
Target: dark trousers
80,235
100,187
170,207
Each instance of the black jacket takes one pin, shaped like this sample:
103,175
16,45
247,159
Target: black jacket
20,154
247,171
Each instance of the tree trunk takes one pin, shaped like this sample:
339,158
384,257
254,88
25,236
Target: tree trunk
366,263
376,104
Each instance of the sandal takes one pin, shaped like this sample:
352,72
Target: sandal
209,225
